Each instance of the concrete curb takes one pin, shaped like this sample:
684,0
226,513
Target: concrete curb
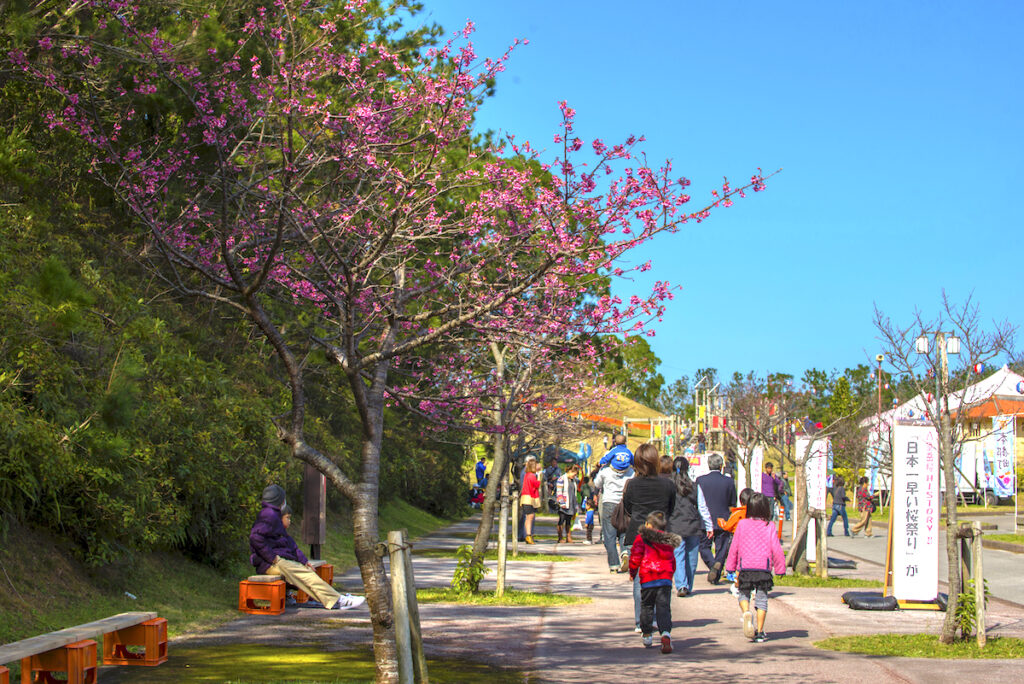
1002,546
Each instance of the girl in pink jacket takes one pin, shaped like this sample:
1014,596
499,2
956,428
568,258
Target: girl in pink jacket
756,552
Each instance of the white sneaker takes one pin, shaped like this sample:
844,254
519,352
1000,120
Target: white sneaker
748,624
348,602
637,629
648,640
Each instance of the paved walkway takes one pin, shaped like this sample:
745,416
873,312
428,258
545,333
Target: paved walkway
595,642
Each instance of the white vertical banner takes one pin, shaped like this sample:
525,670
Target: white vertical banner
815,470
756,466
741,470
1003,440
915,512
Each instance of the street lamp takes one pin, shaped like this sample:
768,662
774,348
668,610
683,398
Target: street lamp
944,345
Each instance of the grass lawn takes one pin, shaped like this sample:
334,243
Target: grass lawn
339,550
492,555
923,646
1011,538
512,597
815,581
278,664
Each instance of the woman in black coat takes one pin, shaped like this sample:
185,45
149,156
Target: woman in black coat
644,494
687,523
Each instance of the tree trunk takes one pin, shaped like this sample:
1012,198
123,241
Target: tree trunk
375,583
796,557
366,534
498,469
953,577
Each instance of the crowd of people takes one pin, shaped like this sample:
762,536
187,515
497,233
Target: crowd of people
656,522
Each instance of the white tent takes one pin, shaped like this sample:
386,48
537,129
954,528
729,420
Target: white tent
1003,384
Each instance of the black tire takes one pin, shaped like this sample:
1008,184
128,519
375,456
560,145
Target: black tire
990,498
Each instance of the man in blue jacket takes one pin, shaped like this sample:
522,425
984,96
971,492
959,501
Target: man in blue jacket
717,495
274,552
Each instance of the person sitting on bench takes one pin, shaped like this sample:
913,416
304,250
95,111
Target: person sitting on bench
274,552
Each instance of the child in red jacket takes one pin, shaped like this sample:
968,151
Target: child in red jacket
653,556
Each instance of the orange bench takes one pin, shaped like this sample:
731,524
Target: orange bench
325,571
272,590
73,650
268,588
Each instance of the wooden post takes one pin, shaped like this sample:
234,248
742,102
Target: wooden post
400,603
502,539
515,524
979,583
314,510
966,567
419,658
823,557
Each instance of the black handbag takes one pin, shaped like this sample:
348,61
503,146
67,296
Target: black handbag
619,519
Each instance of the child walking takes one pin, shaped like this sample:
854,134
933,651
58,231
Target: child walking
736,513
653,557
754,554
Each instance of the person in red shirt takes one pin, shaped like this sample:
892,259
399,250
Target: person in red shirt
653,557
529,498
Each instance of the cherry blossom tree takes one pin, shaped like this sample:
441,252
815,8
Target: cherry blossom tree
333,197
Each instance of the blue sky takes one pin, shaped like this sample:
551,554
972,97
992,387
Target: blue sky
898,125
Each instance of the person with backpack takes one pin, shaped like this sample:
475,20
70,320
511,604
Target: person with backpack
866,507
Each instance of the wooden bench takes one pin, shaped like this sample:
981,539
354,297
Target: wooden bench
73,650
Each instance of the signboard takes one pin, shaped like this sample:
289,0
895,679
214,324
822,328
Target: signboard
698,464
915,513
815,471
1002,441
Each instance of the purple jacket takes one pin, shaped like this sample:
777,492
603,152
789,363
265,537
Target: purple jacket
769,485
268,539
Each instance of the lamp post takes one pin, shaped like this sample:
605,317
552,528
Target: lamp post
940,417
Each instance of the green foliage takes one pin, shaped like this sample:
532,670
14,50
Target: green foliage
632,369
676,399
967,609
468,573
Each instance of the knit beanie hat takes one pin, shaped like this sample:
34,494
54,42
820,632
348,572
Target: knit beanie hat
274,495
286,510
